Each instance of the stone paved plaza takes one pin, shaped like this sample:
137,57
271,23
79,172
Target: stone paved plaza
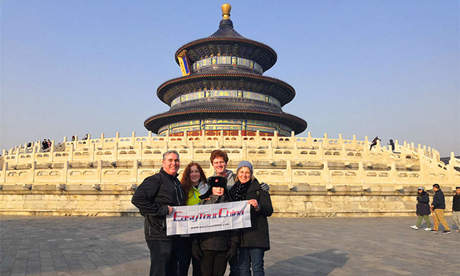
307,246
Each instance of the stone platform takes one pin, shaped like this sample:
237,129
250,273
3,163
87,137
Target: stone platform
300,246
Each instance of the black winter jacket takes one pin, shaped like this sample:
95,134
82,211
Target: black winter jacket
152,198
438,200
220,240
258,234
456,203
423,204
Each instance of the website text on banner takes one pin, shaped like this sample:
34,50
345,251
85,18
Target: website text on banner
208,218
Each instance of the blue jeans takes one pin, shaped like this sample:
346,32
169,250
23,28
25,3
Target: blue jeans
251,257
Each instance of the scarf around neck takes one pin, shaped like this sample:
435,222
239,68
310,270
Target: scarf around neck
238,191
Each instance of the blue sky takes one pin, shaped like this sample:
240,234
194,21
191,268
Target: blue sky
386,68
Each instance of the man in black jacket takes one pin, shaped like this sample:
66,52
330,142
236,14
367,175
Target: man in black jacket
437,206
155,198
456,208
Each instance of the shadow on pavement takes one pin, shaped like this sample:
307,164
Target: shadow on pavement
320,263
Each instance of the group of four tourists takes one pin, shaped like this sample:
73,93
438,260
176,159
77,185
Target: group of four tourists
209,253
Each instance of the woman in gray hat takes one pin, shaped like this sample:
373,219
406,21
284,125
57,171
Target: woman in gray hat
254,241
423,210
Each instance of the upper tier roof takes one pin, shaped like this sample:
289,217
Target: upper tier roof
228,42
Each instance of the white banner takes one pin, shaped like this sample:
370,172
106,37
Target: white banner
208,218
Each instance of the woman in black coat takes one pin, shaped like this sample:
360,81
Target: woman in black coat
423,210
254,241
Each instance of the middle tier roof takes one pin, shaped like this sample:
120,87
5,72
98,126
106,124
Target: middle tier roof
174,88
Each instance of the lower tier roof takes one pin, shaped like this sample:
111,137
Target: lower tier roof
155,122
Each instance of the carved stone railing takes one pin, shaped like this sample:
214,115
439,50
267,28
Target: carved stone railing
287,162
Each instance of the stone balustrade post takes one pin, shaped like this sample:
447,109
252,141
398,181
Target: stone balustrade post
309,139
275,139
34,165
102,140
270,150
192,150
99,171
341,145
393,172
92,150
141,151
245,150
360,174
34,152
326,174
136,171
71,151
52,149
289,174
451,169
133,138
17,156
115,151
65,172
221,139
4,169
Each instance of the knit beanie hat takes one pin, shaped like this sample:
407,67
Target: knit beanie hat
245,164
421,188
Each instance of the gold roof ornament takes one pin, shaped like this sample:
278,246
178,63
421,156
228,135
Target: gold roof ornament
226,8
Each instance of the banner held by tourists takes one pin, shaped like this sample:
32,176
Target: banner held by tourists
208,218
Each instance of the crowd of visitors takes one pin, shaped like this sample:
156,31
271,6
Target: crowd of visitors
436,209
209,253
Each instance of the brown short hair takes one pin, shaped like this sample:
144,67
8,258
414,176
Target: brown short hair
219,153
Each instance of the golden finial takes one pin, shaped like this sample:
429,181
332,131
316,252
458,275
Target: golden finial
226,8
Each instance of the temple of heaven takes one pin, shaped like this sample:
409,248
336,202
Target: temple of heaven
223,90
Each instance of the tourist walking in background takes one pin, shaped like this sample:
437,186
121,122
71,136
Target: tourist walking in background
456,208
437,206
213,249
422,209
155,198
254,240
194,184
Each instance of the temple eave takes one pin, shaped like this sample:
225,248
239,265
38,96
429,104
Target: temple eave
154,123
272,86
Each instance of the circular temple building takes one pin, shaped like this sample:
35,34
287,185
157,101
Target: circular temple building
223,89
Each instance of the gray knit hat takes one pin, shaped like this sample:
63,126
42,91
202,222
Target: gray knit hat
421,188
244,164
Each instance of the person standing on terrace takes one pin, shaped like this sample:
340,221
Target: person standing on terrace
194,185
423,209
456,208
437,206
155,198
